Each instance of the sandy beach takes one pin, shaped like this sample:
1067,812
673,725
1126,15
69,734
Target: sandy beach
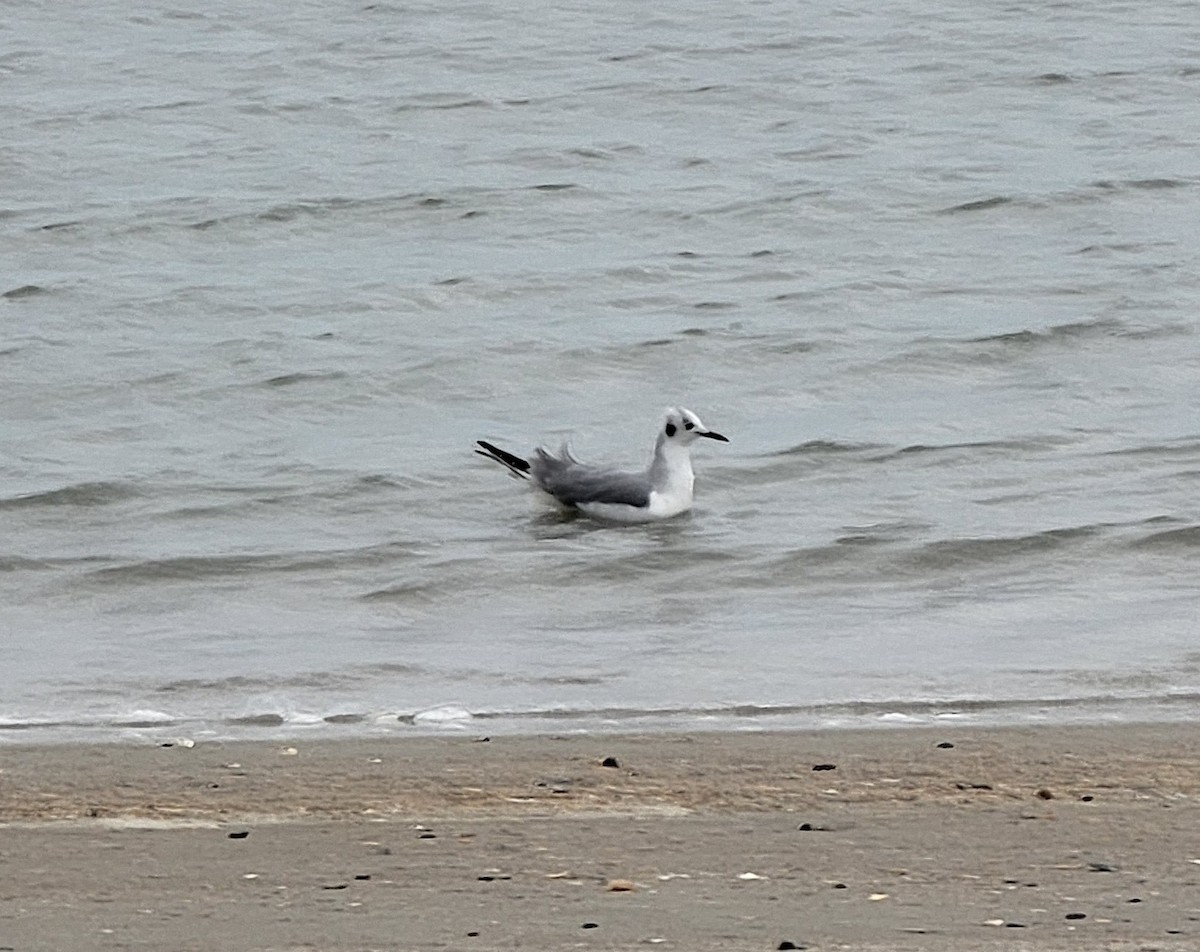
907,839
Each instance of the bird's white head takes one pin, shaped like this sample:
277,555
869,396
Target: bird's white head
682,427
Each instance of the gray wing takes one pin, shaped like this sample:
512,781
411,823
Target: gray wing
572,483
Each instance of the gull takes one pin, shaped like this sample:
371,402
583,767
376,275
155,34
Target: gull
662,490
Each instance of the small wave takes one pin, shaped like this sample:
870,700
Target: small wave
1096,191
446,715
440,101
1052,79
1185,446
986,447
644,565
15,563
30,723
80,494
978,205
802,459
249,498
1090,707
405,592
1184,539
344,718
288,380
587,153
171,105
824,448
878,711
807,295
24,291
145,718
321,208
1010,346
801,562
880,533
397,667
957,554
1153,184
184,568
886,555
1109,248
198,567
245,684
1102,327
132,720
1103,190
256,720
786,348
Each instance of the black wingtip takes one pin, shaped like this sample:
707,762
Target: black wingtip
515,463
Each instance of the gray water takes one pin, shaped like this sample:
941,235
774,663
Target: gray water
267,270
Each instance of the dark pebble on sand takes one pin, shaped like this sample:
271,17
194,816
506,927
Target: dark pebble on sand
809,828
426,836
336,886
239,835
973,786
1075,915
1045,794
609,762
590,925
1014,925
1087,798
839,885
362,876
788,944
472,933
1134,899
824,766
945,745
493,878
1101,868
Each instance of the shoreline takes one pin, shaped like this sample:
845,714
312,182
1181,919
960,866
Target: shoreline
449,720
1037,837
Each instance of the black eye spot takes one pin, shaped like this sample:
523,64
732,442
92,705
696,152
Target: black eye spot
670,429
689,426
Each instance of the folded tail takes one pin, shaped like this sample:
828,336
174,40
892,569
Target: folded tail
515,465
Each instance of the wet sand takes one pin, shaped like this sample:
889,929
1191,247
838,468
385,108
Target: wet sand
910,839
